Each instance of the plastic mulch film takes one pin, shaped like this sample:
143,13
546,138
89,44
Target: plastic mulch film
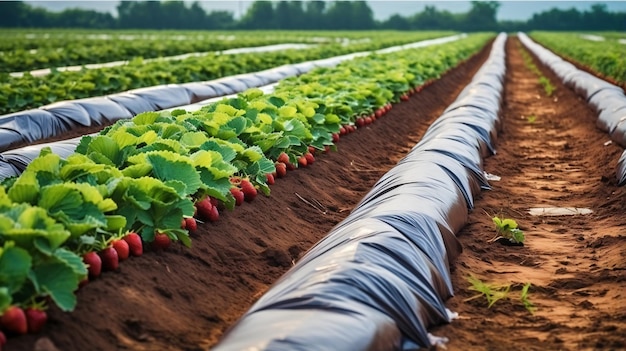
608,100
61,117
621,169
14,162
379,279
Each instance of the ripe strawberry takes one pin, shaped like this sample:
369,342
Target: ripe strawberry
190,224
134,243
312,149
35,319
360,122
281,169
368,120
94,264
283,157
309,158
302,161
404,97
161,241
215,202
270,179
326,149
122,248
342,130
110,259
238,194
335,137
214,215
14,320
3,339
249,191
204,207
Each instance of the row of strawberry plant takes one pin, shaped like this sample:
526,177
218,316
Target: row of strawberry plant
150,174
19,93
69,48
605,57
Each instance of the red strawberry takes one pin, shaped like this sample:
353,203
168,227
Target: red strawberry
326,149
404,97
35,319
122,248
14,320
249,191
309,158
204,207
215,202
3,339
379,113
342,130
283,157
312,149
94,264
161,241
335,137
183,224
270,179
134,243
368,120
238,194
360,122
281,169
302,161
110,259
190,224
214,215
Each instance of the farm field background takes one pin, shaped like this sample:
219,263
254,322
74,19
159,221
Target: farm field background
149,173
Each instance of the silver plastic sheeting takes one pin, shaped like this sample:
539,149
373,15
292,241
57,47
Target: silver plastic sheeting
379,279
621,169
14,162
62,117
607,99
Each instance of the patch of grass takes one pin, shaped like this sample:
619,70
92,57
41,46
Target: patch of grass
491,292
524,298
543,80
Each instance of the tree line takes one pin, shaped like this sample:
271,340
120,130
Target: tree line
302,15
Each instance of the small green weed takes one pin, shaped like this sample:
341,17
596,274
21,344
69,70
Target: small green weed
491,292
507,228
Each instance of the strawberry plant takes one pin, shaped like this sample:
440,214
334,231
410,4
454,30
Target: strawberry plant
507,228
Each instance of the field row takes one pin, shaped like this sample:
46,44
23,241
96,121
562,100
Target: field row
19,93
24,51
606,57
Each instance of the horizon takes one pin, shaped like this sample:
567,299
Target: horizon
508,11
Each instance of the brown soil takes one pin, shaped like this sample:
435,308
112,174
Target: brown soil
576,264
184,299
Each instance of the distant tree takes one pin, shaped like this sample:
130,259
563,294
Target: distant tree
315,15
482,16
350,15
12,13
396,22
260,15
431,18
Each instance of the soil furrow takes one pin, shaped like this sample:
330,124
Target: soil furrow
549,154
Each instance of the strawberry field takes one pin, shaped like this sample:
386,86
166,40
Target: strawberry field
214,224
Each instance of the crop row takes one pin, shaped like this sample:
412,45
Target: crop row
152,174
19,93
605,57
21,55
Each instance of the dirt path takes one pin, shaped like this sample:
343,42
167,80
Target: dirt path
576,264
184,299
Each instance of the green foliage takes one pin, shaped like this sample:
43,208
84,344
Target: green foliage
524,298
507,228
543,80
491,292
607,57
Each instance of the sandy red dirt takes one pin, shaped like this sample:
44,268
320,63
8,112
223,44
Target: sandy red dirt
184,299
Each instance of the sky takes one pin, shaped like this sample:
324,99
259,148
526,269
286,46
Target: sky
509,10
